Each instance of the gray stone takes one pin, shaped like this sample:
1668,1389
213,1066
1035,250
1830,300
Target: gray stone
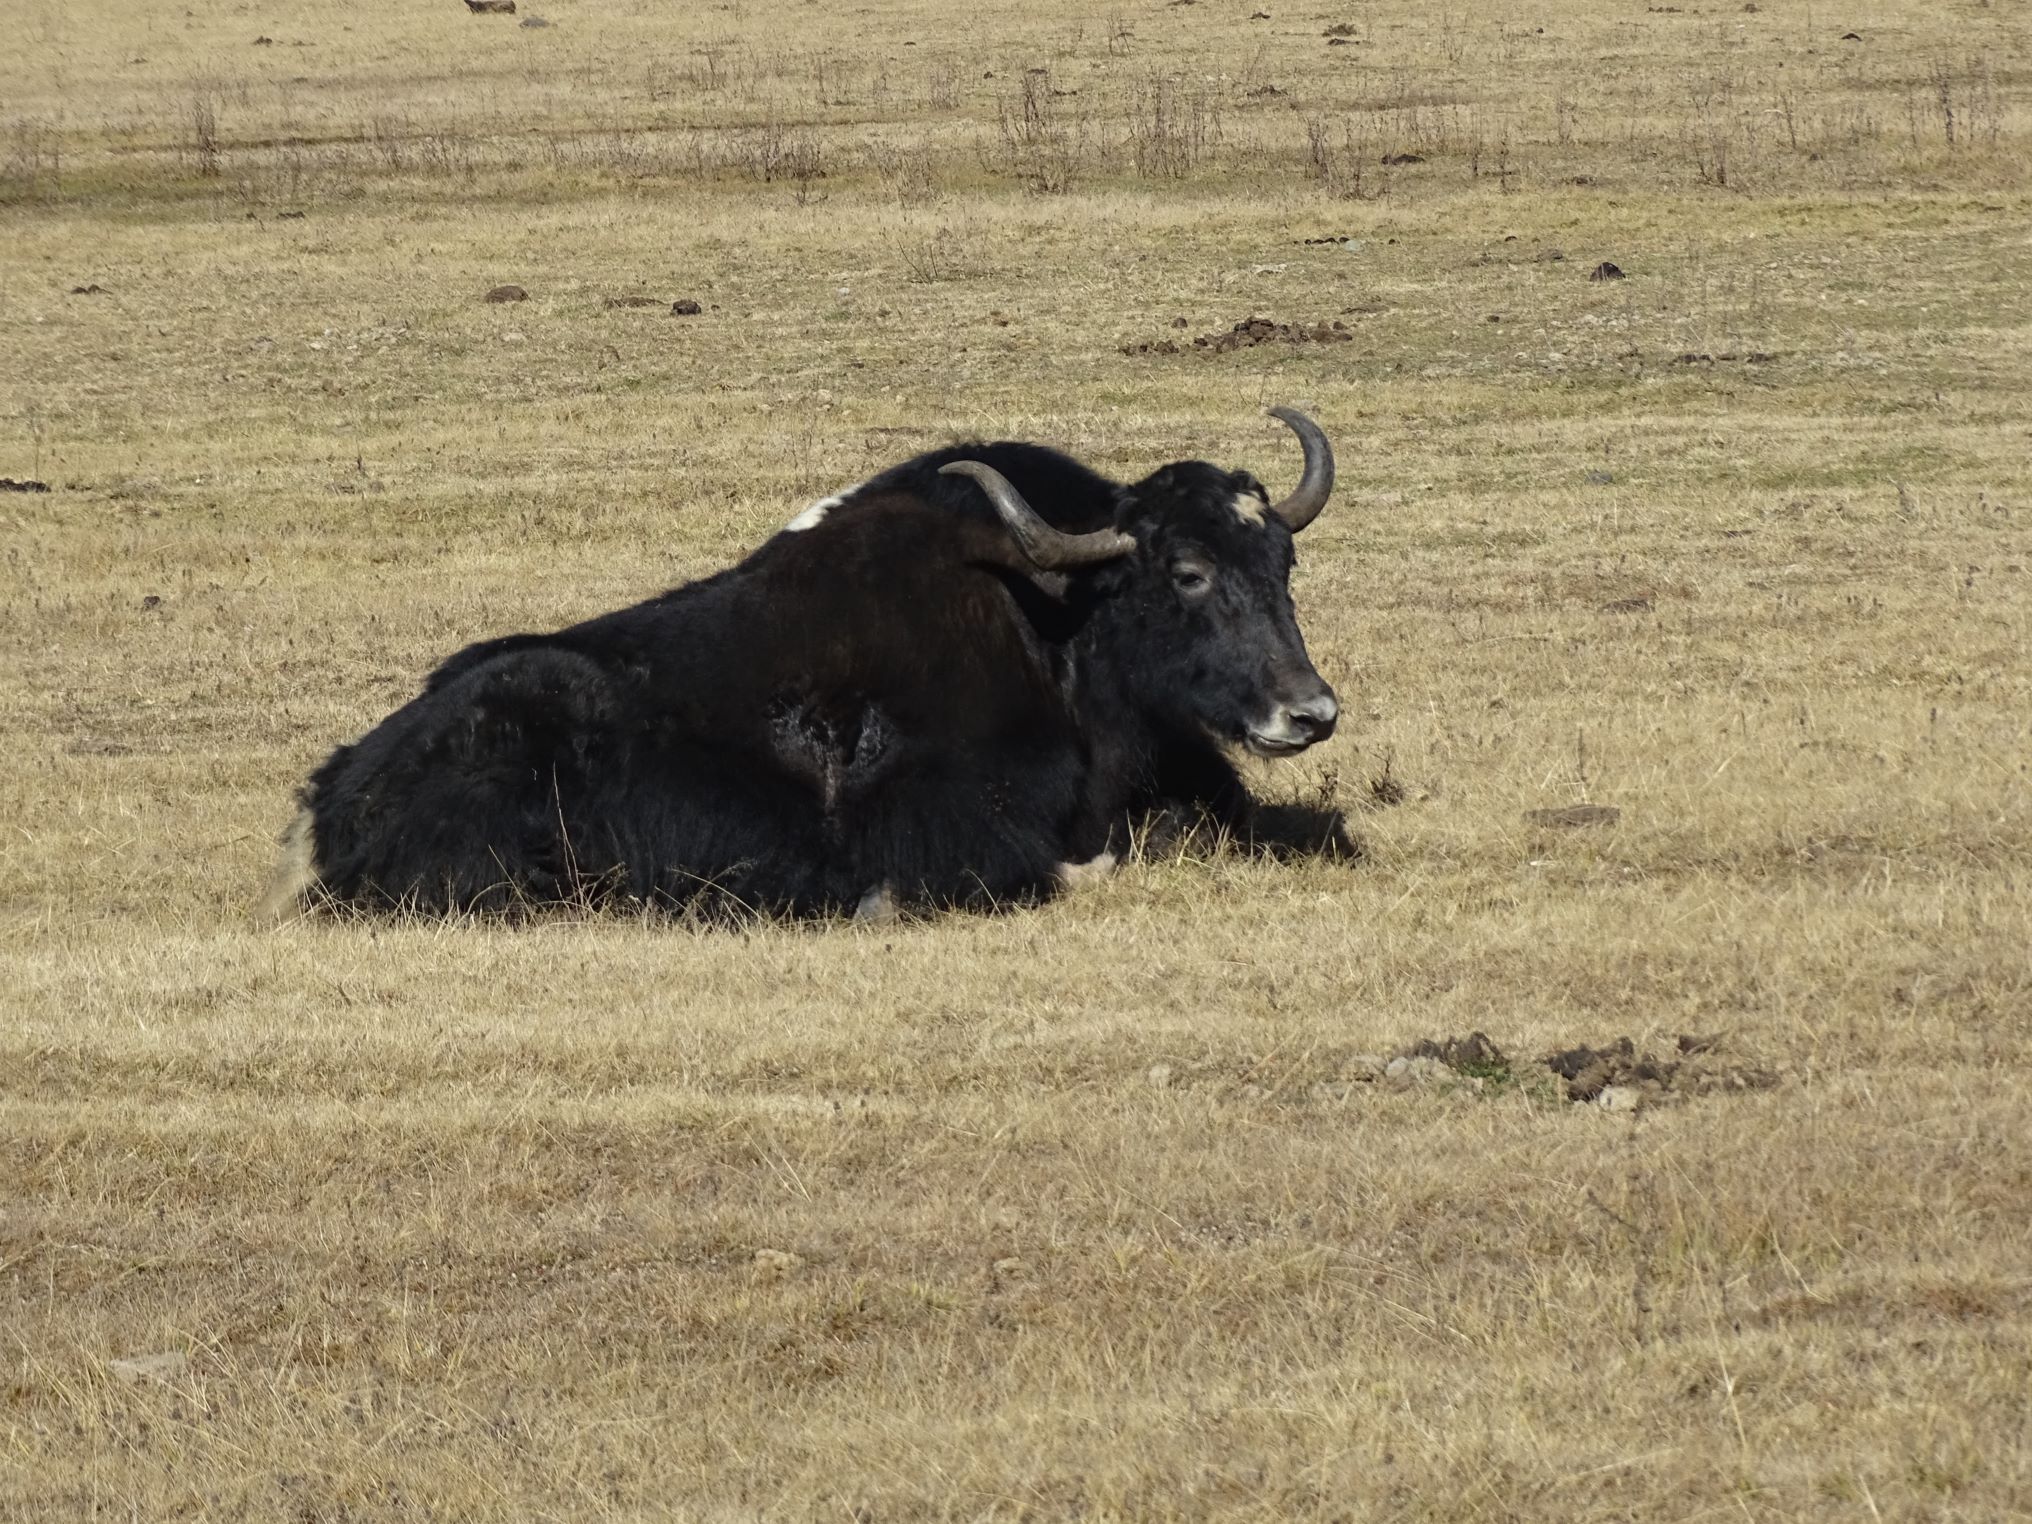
164,1367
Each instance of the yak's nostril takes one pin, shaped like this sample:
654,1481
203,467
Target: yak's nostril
1315,716
1295,724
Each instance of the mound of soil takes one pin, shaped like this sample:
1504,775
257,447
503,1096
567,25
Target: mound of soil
1747,357
1575,815
1473,1054
1620,1076
1617,1077
1247,334
1696,1066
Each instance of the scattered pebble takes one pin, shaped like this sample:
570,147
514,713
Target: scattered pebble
1576,815
163,1367
1403,1070
1159,1076
1619,1098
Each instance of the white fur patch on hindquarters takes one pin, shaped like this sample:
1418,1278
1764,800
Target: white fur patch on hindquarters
295,875
878,906
1074,875
814,516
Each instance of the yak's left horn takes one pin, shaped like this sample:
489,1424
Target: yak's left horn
1316,485
1046,548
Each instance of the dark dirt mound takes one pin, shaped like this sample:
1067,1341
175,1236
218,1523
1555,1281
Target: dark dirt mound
1620,1076
1696,1066
1247,334
1748,357
685,307
9,484
507,294
1574,815
1473,1055
1606,271
1617,1077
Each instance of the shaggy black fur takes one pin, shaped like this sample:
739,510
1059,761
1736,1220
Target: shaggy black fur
872,704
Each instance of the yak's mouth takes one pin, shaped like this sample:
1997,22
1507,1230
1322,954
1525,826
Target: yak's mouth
1264,744
1293,724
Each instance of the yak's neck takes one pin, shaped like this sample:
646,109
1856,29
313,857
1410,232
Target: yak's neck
1104,691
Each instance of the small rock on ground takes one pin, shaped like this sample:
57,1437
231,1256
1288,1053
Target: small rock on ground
1404,1070
1576,815
776,1264
162,1367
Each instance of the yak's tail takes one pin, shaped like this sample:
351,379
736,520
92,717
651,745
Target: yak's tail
295,876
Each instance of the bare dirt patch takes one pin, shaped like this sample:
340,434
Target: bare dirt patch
1248,334
1693,1066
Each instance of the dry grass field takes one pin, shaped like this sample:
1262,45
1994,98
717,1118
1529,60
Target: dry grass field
1100,1210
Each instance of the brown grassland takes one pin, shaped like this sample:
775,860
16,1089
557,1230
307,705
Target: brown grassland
1096,1210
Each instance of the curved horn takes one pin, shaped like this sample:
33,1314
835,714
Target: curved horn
1316,485
1048,549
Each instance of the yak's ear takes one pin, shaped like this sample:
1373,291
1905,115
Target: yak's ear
1045,549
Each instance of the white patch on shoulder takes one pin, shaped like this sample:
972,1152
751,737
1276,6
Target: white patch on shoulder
814,516
1249,508
295,875
1073,875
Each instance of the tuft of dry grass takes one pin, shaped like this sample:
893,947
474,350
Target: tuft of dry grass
1111,1208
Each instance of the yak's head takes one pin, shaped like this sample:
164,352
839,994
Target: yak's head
1193,584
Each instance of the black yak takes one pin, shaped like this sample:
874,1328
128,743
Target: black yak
933,695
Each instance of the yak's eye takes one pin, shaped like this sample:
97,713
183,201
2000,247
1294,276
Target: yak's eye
1191,580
